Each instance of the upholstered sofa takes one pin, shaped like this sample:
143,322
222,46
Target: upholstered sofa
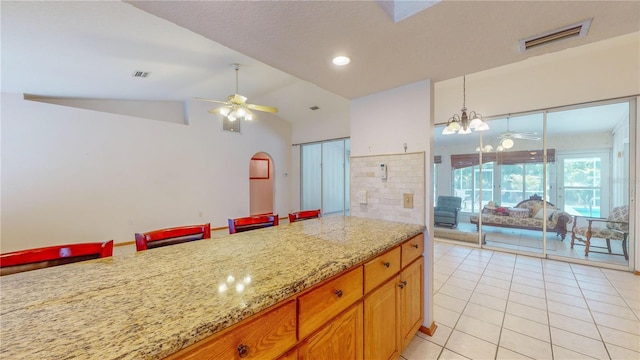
527,214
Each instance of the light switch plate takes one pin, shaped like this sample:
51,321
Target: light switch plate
408,201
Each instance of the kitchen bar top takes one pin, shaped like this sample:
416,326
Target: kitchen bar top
150,304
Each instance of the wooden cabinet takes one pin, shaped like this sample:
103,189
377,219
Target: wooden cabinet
411,300
381,268
411,249
328,300
371,311
339,339
382,321
265,337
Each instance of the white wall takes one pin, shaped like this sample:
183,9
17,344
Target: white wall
597,71
380,125
74,175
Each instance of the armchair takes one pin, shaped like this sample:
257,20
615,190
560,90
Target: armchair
614,227
446,211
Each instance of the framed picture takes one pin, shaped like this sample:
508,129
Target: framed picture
259,169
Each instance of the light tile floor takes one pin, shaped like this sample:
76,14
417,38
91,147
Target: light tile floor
494,305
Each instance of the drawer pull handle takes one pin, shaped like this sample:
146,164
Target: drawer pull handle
387,264
338,293
402,284
415,246
243,350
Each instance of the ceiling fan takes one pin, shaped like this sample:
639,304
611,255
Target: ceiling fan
236,106
506,138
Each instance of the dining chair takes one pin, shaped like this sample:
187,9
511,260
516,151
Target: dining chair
171,236
252,223
304,215
39,258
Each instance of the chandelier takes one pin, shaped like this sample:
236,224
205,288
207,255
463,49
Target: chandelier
460,123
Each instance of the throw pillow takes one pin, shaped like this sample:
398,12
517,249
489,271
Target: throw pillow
540,213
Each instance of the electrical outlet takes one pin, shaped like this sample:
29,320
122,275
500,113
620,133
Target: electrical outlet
408,201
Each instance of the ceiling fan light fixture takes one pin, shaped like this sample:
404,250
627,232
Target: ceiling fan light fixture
507,143
341,60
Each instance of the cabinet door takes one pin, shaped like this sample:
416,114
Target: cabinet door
411,300
382,322
339,339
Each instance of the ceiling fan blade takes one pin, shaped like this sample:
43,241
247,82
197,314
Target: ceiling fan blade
270,109
217,110
237,99
213,101
526,137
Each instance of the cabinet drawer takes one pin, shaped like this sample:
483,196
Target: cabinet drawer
412,249
327,300
265,337
381,268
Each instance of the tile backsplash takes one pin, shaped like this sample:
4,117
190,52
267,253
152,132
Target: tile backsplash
373,196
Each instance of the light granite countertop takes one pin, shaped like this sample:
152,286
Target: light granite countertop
150,304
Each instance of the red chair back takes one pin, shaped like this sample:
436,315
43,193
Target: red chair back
171,236
31,259
252,223
304,215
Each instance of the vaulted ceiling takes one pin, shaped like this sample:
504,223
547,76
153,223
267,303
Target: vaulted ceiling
91,49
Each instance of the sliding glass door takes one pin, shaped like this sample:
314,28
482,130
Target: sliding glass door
325,176
557,170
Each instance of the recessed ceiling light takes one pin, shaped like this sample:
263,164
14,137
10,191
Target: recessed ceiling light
341,60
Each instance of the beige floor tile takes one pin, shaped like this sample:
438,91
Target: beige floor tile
526,345
571,324
440,337
518,279
563,289
492,290
569,310
606,298
479,329
628,325
578,343
620,353
528,272
450,355
449,302
456,292
596,280
466,275
526,327
532,291
470,346
462,283
577,301
506,354
606,289
492,281
484,313
527,312
620,311
528,300
445,316
564,281
560,353
489,301
620,338
420,349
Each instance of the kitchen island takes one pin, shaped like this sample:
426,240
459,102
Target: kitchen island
152,304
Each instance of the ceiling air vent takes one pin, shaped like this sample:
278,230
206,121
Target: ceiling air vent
574,31
140,74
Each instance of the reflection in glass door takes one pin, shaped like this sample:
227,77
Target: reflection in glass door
593,182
